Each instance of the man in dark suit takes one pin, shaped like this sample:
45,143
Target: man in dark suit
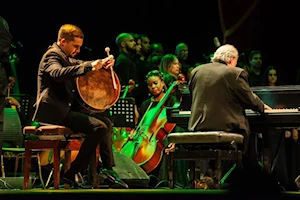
57,104
220,94
126,65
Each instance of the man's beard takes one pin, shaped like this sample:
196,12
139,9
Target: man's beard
131,50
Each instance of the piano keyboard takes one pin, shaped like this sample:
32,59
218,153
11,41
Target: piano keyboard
276,118
284,97
276,110
185,112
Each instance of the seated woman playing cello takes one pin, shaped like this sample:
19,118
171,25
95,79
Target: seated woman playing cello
158,92
157,88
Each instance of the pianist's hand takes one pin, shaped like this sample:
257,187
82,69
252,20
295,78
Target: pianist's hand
266,107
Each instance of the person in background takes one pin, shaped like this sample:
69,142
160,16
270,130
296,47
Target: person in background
255,68
5,43
170,67
270,77
145,50
182,53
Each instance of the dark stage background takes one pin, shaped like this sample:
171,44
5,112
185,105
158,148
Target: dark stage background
269,27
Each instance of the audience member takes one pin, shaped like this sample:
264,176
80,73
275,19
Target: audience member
270,77
255,68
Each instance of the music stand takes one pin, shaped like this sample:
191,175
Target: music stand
122,112
27,110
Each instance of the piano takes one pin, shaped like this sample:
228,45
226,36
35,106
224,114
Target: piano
285,101
275,119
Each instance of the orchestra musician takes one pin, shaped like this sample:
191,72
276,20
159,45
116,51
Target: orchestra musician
157,88
56,103
125,65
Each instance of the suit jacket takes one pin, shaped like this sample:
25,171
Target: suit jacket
56,87
220,94
126,68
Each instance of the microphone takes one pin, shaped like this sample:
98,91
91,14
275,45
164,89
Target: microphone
87,48
217,42
20,44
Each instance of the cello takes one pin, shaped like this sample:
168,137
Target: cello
145,146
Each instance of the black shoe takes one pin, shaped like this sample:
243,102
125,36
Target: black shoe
110,178
74,184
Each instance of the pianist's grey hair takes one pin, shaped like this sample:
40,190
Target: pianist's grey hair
225,53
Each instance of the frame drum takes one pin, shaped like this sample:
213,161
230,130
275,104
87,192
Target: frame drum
96,89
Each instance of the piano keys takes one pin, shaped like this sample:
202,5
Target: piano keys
275,119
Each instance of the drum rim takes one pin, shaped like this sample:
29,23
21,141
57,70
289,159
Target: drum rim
86,104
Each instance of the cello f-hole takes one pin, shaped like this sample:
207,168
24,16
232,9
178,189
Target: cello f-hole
152,133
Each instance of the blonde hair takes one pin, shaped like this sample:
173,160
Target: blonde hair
166,63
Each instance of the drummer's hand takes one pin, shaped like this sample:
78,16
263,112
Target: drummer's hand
97,64
108,62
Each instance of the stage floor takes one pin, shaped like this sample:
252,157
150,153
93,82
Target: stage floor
132,194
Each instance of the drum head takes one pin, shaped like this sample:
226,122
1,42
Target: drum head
96,89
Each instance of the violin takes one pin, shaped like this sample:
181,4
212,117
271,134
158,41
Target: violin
145,146
11,102
128,89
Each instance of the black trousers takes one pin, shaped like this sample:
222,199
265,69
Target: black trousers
98,130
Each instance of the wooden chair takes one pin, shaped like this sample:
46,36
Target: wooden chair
17,154
217,145
55,138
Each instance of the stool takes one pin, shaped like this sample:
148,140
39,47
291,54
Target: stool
56,139
217,145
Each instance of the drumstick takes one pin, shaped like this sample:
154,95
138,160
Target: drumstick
107,49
